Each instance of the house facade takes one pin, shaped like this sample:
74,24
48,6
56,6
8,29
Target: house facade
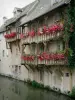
34,42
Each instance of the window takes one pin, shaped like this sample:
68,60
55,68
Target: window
3,52
57,17
46,20
67,74
33,49
59,46
19,69
19,30
41,76
41,48
15,13
23,29
7,53
63,45
16,68
34,26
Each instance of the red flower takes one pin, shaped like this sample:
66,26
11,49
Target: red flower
45,29
11,35
32,33
21,36
55,28
40,57
40,31
28,58
46,56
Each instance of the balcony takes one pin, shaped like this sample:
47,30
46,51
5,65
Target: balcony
49,37
26,39
51,59
53,32
29,59
12,37
44,59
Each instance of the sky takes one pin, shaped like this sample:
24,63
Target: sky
7,7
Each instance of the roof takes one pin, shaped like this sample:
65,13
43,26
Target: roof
24,12
10,21
27,8
43,7
33,11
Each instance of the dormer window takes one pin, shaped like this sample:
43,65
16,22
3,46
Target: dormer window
17,11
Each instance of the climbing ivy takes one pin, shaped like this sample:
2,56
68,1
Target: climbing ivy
69,33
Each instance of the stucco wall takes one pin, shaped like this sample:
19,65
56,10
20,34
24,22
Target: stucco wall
10,59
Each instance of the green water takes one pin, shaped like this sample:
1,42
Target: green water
14,90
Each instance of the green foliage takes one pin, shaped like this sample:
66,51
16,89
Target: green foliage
69,32
47,88
37,85
60,52
73,93
42,86
68,52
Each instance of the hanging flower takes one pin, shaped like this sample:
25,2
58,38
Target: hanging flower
28,58
40,32
11,35
45,29
21,35
46,56
40,57
32,33
55,28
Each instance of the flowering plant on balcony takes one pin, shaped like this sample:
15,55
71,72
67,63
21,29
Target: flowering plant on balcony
55,28
28,58
24,35
32,33
21,35
11,35
46,56
45,30
40,32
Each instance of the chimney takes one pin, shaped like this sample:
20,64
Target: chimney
4,19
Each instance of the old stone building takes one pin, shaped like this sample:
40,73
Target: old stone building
33,41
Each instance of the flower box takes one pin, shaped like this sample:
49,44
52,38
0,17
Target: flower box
11,35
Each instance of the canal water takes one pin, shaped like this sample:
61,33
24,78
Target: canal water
11,89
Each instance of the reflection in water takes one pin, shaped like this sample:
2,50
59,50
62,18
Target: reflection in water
14,90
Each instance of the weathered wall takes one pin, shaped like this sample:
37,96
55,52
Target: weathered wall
10,59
